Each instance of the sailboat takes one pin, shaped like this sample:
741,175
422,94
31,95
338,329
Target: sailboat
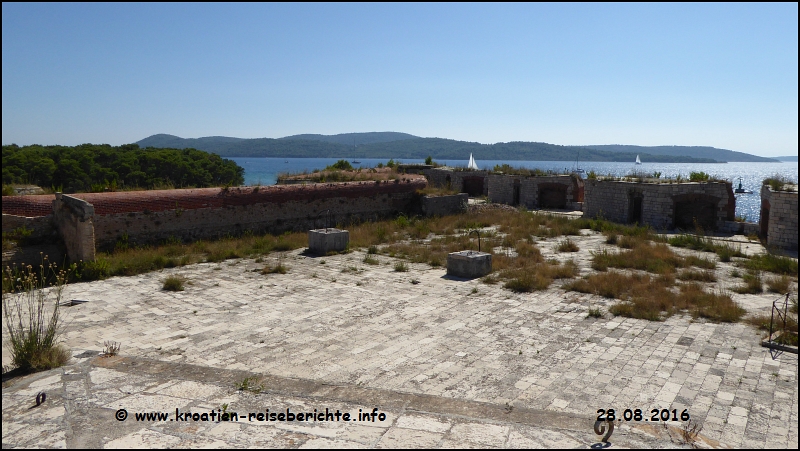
638,161
472,164
578,169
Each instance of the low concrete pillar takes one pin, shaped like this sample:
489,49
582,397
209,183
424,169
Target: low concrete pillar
469,264
322,241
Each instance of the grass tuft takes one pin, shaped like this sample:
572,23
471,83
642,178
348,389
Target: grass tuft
752,284
173,283
567,245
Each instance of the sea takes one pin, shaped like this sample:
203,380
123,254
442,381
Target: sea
264,171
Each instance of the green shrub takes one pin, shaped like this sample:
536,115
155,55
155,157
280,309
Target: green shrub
400,267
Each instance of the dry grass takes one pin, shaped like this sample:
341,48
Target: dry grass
129,261
646,297
173,283
537,277
772,263
567,245
779,284
753,284
697,276
655,258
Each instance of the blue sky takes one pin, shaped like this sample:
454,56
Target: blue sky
722,75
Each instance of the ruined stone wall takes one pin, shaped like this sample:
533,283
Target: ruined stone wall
781,218
661,205
501,188
439,177
531,188
40,227
444,205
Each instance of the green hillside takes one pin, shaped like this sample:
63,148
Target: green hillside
408,147
677,151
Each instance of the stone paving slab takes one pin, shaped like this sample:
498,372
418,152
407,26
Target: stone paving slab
339,322
74,416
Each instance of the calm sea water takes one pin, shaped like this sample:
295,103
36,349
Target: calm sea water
265,171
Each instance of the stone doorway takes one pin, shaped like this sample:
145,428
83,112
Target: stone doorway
552,196
473,186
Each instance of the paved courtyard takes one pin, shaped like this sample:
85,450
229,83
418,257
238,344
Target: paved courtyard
452,363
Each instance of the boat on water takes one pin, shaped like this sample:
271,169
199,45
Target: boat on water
355,162
638,161
740,189
472,164
578,169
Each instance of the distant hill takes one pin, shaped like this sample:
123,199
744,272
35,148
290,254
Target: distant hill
399,145
689,151
174,142
355,138
787,158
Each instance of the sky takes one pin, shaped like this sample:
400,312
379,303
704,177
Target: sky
721,75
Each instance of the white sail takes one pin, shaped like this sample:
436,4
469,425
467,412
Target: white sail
472,164
638,161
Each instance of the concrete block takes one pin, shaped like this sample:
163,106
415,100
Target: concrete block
322,241
469,264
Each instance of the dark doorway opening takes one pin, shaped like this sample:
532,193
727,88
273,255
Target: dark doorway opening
515,201
552,195
635,208
473,186
764,218
695,210
448,183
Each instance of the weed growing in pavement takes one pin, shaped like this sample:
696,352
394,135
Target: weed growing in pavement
173,283
31,311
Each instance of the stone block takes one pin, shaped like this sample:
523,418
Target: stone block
469,264
322,241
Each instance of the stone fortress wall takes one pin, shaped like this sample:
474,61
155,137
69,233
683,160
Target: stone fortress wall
779,217
535,192
100,220
149,217
470,182
662,205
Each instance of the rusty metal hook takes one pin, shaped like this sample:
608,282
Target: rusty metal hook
479,237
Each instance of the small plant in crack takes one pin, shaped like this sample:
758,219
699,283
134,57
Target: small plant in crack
251,384
111,348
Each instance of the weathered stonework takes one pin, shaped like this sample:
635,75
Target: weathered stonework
444,205
661,205
779,218
470,182
150,217
322,241
534,192
73,218
469,264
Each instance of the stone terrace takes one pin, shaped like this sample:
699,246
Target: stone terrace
451,367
